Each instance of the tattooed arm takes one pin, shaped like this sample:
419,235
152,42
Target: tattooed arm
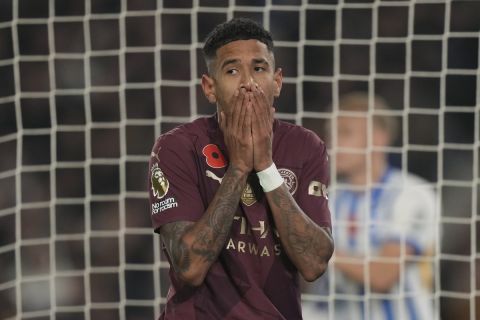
308,245
194,246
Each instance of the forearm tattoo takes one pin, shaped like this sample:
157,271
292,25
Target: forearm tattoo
302,238
178,251
210,232
215,225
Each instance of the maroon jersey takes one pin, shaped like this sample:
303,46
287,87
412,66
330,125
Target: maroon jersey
253,277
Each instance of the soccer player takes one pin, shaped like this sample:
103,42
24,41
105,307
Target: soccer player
384,228
239,198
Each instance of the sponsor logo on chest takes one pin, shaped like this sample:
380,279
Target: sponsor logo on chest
253,239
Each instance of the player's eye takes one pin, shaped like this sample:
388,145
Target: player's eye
259,69
232,71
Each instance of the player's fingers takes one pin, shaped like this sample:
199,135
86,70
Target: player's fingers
262,108
237,109
248,127
256,121
235,98
270,110
243,111
230,123
268,106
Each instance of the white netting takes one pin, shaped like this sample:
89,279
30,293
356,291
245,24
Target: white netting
86,87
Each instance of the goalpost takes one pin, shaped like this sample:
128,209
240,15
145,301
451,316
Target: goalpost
87,86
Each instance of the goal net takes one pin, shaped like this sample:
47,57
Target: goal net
87,86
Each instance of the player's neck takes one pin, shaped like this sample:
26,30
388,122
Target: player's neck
378,168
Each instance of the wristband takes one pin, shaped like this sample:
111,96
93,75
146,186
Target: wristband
270,179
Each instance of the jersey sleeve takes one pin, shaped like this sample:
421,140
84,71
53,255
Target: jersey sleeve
173,183
413,219
312,194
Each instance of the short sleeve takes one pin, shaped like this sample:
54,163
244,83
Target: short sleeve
312,194
413,218
173,183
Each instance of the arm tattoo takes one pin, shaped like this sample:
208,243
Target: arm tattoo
305,240
216,223
210,232
171,234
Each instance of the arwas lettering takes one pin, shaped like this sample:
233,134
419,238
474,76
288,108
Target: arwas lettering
253,247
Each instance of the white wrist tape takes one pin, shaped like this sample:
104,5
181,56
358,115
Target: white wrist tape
270,179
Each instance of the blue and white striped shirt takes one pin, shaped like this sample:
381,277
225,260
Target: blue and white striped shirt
400,209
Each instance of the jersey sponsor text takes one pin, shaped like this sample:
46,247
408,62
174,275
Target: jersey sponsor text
253,248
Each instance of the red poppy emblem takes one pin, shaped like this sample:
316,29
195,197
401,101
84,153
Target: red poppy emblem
214,157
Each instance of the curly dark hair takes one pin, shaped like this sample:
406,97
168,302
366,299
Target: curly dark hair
233,30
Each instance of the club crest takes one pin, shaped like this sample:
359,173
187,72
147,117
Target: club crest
290,179
159,182
248,196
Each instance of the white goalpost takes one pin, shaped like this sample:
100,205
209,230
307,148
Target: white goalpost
87,86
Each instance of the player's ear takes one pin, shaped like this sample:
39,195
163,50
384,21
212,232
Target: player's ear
208,86
278,79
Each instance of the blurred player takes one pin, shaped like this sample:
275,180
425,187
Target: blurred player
237,230
383,226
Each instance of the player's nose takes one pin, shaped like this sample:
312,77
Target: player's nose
248,83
